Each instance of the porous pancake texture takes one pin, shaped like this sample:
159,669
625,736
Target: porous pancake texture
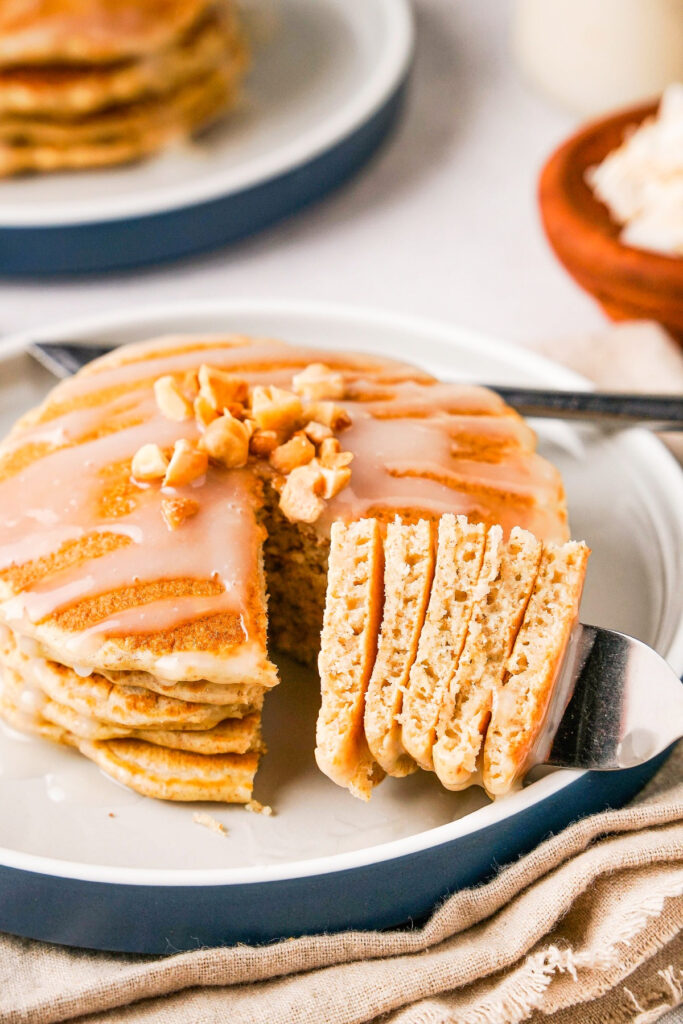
171,505
463,680
86,83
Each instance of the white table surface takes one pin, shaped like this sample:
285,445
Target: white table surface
443,222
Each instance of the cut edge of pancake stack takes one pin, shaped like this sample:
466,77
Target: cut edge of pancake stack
440,649
86,85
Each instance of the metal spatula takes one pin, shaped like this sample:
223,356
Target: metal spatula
616,704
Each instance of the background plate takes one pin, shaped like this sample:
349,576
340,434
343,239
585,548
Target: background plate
86,862
326,85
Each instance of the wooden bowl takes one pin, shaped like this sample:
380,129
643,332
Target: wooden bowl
628,283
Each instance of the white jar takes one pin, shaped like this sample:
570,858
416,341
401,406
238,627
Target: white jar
598,55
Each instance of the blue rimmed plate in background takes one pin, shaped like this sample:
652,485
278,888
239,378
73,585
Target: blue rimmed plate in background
326,86
86,862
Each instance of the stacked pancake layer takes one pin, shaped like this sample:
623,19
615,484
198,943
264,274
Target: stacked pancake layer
87,83
145,646
441,648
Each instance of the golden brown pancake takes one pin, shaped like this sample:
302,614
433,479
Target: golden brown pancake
64,92
353,612
114,136
90,31
97,580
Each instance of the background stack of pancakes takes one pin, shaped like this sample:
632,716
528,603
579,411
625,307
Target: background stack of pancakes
87,83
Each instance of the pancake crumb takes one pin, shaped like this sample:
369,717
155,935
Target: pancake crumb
256,808
208,821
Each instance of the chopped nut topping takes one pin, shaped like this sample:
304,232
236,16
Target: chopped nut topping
227,441
330,415
204,412
263,442
332,457
318,382
275,409
336,479
221,389
149,463
317,432
301,497
170,399
176,510
190,384
295,452
187,464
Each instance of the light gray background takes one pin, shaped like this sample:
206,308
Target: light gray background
443,222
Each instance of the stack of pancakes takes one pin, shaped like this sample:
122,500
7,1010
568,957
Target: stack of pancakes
89,83
441,650
146,647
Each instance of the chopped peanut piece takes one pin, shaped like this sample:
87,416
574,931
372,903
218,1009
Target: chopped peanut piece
318,382
295,452
332,457
222,389
227,441
170,399
317,432
336,480
301,497
187,464
275,409
176,510
263,442
204,412
149,463
329,414
190,385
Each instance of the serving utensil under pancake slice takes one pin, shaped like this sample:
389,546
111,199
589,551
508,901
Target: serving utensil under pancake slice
408,571
349,641
174,774
508,573
90,31
521,701
460,551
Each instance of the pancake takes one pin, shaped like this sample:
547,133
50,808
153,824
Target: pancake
90,31
179,775
114,136
347,653
64,92
408,571
30,708
134,587
459,555
508,575
521,701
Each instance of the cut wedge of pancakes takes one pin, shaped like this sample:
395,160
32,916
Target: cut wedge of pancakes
164,80
136,614
469,698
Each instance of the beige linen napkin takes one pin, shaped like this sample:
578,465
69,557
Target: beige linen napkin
584,930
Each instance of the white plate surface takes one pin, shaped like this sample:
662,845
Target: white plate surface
321,68
59,814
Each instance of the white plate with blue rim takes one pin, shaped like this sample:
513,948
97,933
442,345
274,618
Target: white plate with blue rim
85,862
327,83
